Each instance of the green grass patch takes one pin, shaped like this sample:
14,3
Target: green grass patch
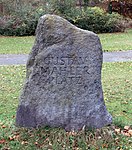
110,42
16,45
117,83
116,41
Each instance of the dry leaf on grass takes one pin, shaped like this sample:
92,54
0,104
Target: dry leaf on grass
130,132
118,130
2,141
127,131
3,126
24,142
126,127
11,138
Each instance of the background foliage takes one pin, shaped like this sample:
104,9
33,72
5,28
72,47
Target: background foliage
20,17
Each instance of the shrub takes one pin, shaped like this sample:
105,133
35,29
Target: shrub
21,23
95,19
114,23
63,7
13,25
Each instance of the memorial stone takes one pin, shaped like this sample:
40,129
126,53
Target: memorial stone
63,79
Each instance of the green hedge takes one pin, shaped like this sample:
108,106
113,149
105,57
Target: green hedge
94,19
20,23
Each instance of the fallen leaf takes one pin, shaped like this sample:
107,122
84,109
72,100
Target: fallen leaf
118,130
31,135
125,133
99,137
3,126
105,146
127,127
6,148
36,143
1,123
50,143
130,132
11,138
125,102
24,142
16,137
71,133
2,141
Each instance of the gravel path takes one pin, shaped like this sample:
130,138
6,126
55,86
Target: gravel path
120,56
14,59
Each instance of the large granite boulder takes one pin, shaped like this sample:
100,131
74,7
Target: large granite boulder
63,83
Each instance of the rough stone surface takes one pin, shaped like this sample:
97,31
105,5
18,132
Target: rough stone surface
63,83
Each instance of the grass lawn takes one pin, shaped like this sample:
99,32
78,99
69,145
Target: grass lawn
16,45
116,41
117,81
23,45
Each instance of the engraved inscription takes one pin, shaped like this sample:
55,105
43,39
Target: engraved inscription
67,69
